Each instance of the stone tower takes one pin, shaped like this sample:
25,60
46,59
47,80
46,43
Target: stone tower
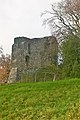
32,54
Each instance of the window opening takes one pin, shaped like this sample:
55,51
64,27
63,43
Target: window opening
27,59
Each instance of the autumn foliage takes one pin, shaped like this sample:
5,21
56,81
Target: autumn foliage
5,65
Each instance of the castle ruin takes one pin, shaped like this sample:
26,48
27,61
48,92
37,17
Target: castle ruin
28,55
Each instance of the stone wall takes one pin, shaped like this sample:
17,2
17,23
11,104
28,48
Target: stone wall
13,75
32,54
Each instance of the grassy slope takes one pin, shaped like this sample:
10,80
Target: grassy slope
59,100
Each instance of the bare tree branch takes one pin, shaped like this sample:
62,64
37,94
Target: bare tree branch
64,18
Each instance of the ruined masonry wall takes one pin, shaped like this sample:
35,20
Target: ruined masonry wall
32,54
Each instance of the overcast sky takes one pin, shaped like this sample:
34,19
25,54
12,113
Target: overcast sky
22,18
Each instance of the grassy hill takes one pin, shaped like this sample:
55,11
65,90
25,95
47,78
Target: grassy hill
59,100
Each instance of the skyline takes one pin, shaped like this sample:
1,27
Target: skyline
22,18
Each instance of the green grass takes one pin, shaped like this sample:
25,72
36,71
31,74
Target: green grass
58,100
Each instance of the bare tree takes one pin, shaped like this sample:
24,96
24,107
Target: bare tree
1,50
64,18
